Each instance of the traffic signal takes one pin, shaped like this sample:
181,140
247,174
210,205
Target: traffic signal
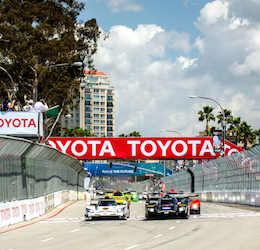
111,164
135,168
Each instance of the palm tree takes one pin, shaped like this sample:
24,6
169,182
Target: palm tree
235,122
245,133
228,116
135,134
257,135
206,113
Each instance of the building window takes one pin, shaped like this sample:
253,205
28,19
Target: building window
96,110
87,103
102,104
109,92
87,109
109,110
87,91
102,98
109,134
87,121
102,110
102,134
110,98
87,97
96,134
110,104
103,79
87,127
102,122
102,128
87,115
109,129
102,116
96,115
109,116
66,122
96,128
96,103
71,121
96,91
77,115
92,79
77,122
102,91
109,122
96,122
96,98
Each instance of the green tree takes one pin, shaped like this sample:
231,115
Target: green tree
257,136
245,134
36,36
235,122
206,114
135,134
228,116
77,132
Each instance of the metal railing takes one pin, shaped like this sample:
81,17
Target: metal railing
30,170
237,172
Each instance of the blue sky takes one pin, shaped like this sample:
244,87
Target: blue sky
160,52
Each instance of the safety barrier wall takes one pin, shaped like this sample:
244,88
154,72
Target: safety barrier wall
236,176
18,211
30,170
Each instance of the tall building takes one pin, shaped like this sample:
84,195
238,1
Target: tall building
95,111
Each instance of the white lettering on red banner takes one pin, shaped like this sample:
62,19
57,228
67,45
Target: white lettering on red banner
141,148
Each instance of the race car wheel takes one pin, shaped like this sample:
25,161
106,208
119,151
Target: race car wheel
198,212
147,216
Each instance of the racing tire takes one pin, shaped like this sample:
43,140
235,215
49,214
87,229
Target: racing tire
147,216
198,212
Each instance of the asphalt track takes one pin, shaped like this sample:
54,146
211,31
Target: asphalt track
220,226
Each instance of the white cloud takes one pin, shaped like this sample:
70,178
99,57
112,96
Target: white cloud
152,89
123,5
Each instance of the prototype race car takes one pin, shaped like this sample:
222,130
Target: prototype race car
107,207
120,198
183,204
163,206
194,205
132,195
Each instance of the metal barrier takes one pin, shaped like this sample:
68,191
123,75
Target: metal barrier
29,170
237,172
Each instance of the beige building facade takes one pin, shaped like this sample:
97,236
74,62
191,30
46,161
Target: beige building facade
95,111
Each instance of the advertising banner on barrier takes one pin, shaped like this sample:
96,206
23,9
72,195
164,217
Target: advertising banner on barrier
140,148
21,123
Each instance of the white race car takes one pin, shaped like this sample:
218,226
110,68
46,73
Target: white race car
107,207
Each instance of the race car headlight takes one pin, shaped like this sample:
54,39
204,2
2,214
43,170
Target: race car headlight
181,209
90,210
151,209
195,206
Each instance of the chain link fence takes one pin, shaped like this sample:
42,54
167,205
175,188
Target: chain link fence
237,172
29,170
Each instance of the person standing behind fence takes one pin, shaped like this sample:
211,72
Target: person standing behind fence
29,106
40,106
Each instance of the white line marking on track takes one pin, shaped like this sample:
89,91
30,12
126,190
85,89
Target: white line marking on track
171,228
132,247
47,239
158,235
92,223
75,230
177,221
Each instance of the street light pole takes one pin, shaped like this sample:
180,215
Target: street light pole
35,91
223,122
166,130
12,90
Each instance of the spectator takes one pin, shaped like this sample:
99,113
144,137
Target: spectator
4,106
40,106
28,107
11,106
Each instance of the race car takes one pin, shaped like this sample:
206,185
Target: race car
194,206
164,206
183,204
107,207
132,194
120,198
143,195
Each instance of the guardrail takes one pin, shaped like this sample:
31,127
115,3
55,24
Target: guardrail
29,170
237,172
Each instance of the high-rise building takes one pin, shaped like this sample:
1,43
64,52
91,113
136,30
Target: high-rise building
95,111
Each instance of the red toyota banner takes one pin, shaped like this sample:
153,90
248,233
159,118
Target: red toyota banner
139,148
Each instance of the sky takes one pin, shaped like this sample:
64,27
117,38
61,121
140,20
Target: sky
158,53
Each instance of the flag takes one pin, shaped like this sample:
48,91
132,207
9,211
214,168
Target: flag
52,112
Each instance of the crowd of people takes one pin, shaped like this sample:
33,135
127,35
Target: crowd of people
9,105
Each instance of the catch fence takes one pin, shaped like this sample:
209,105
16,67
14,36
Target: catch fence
237,172
30,170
